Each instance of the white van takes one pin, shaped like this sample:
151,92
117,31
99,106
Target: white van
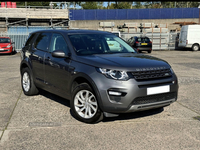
190,37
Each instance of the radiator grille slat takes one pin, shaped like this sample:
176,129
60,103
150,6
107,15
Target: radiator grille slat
154,98
151,75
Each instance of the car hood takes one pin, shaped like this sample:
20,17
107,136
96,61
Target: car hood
125,61
4,44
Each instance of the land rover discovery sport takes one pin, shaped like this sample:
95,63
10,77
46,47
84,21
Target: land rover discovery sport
97,71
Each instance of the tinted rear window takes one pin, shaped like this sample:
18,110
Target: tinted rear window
42,41
143,40
29,39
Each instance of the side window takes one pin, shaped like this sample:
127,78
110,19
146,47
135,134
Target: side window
113,44
29,39
42,41
58,43
139,39
129,40
132,40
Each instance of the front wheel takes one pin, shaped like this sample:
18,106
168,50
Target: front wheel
84,104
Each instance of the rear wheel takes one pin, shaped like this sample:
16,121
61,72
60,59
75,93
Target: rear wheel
149,51
195,47
27,83
84,104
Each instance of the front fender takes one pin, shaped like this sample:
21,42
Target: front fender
88,79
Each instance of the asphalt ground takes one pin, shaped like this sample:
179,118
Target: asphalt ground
45,121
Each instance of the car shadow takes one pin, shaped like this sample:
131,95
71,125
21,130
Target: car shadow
184,49
55,98
121,117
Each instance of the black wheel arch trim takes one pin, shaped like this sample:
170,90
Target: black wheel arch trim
27,63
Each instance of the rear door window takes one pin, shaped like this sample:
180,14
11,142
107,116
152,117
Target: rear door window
30,38
42,42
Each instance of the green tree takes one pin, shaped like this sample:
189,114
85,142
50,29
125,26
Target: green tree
92,5
124,5
137,5
179,4
152,4
120,5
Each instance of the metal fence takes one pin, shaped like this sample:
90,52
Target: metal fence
160,41
125,14
19,34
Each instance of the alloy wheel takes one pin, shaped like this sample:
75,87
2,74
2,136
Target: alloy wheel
85,104
26,82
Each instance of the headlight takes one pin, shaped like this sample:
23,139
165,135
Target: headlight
8,46
114,74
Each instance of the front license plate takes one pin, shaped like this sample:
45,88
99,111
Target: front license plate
158,90
143,43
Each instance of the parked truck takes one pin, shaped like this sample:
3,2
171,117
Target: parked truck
190,37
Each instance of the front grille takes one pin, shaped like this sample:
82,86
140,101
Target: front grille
154,98
151,74
4,50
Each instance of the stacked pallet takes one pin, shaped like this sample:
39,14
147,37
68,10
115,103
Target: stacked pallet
143,28
107,26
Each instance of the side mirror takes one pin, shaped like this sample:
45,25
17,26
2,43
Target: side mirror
59,54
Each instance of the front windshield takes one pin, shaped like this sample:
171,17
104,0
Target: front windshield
89,44
4,40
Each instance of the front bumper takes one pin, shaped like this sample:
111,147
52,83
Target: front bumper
144,48
134,95
6,50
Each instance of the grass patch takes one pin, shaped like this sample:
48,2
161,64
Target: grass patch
197,118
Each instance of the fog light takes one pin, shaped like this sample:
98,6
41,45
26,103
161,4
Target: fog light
114,93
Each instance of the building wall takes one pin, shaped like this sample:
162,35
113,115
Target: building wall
94,24
129,14
90,18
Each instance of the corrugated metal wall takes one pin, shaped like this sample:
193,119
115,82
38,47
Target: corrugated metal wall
126,14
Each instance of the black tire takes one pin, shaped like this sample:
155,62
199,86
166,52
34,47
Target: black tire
149,52
195,47
27,83
82,98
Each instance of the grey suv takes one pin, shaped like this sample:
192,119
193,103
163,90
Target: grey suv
97,71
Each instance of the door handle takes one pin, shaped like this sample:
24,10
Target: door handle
48,59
